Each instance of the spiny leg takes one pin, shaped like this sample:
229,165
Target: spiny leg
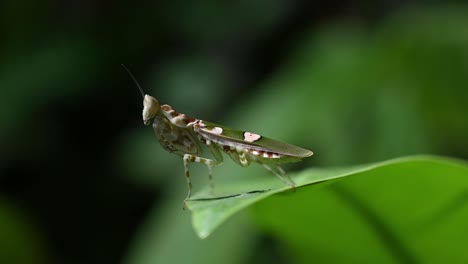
218,159
283,173
187,177
280,174
192,158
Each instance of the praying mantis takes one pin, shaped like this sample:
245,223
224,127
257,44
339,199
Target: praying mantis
183,135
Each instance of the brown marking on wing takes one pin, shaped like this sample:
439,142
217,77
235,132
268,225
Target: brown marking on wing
264,154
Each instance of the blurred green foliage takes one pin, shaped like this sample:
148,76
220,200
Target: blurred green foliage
92,178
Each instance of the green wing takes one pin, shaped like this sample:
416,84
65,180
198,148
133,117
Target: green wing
264,143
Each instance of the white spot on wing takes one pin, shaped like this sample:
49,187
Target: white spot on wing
216,130
251,137
212,130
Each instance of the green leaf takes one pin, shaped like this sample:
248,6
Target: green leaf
209,213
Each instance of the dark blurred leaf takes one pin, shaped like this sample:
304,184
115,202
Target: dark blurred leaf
20,241
35,78
166,237
216,20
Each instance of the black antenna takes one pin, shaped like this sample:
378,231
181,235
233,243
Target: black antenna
135,80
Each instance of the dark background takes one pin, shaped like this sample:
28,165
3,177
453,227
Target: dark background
77,164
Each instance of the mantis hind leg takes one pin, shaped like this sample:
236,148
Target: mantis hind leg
281,174
218,159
